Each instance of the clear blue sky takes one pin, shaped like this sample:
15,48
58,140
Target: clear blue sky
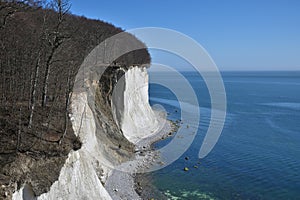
239,35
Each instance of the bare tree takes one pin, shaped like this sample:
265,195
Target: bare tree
35,74
54,39
68,94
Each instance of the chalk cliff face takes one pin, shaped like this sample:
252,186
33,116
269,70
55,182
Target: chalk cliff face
130,105
120,113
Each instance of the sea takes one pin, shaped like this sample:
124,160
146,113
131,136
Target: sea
257,155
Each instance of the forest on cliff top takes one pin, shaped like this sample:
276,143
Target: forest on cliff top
42,47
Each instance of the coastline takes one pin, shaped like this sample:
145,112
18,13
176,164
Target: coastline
126,181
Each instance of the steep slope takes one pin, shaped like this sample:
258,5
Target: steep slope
85,171
131,110
34,154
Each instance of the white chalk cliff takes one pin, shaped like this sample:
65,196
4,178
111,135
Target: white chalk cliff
85,170
130,105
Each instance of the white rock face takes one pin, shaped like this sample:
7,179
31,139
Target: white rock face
80,176
130,105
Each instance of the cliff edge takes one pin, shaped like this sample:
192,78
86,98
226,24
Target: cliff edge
62,126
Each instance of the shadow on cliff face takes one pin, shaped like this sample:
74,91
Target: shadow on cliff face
110,134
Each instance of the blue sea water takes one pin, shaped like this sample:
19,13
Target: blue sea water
258,153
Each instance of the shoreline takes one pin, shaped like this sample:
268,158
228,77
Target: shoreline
127,181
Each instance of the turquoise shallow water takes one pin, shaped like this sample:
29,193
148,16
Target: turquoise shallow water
258,153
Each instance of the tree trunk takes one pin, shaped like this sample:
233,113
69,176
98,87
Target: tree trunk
67,102
19,130
46,77
33,93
